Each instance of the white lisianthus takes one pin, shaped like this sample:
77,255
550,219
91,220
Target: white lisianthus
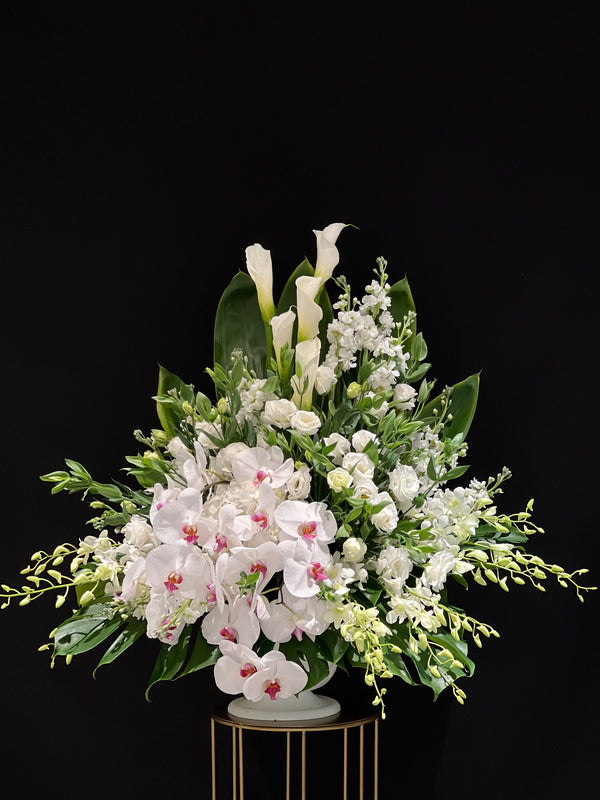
260,269
404,485
324,379
342,446
338,479
138,533
305,422
361,439
386,519
279,413
298,486
365,489
404,396
359,464
354,549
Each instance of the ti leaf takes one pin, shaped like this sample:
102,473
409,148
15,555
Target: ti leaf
464,402
402,301
171,659
239,325
87,628
166,413
123,642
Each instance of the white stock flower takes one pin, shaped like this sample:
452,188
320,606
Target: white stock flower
260,269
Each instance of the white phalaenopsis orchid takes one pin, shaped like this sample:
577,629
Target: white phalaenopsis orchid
260,269
240,670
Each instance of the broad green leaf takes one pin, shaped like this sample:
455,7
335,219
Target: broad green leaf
239,325
124,640
335,645
402,301
288,295
81,633
462,407
310,656
166,412
202,655
171,659
327,309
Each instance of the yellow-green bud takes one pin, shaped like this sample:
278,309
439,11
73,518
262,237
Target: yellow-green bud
353,390
222,406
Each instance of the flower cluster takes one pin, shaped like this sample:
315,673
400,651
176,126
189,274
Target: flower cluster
305,516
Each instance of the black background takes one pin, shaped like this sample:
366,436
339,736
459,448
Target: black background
144,146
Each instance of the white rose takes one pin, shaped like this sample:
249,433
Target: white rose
404,396
354,549
359,464
298,486
342,446
339,479
361,439
404,485
324,379
305,422
386,519
278,413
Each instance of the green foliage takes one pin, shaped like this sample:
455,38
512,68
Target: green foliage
239,325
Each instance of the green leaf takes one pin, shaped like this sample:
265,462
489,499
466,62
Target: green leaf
202,655
83,632
171,659
463,405
310,656
402,302
239,324
327,308
288,295
167,414
124,640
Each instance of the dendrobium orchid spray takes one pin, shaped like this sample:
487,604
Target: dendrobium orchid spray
306,516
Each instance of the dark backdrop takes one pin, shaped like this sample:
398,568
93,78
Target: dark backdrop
144,146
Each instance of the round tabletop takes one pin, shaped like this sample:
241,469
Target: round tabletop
346,718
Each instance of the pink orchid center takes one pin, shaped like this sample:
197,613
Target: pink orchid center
168,629
173,581
211,596
316,573
308,529
247,669
298,634
190,533
261,475
160,505
220,542
259,567
261,519
227,633
272,688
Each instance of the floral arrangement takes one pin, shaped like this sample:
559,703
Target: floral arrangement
307,516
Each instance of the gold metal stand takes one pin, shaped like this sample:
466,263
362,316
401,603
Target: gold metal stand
341,722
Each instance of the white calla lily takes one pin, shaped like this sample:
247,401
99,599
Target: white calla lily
327,253
310,312
307,359
260,269
282,326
